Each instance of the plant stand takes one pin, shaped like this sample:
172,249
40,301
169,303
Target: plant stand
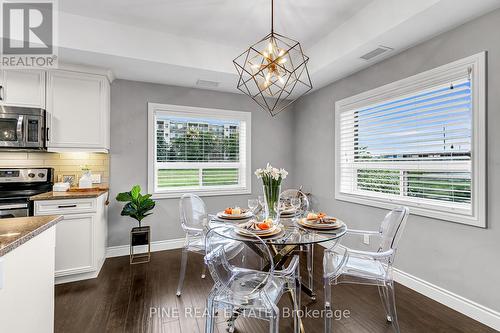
140,236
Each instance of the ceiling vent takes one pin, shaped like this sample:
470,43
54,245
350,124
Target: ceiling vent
207,83
376,53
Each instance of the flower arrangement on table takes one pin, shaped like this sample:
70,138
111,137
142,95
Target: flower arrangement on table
271,179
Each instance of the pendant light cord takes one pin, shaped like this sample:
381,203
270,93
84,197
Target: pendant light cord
272,16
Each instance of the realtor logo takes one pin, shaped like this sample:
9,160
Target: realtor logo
28,34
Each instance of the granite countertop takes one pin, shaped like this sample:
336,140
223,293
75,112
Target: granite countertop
18,230
69,195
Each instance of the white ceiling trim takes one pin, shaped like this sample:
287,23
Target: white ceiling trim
392,24
98,36
371,22
140,54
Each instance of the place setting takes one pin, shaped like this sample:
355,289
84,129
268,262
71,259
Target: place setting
264,228
235,213
320,221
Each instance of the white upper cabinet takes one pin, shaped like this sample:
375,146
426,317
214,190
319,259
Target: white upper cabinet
77,111
24,88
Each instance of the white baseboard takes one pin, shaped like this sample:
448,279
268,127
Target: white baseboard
456,302
124,250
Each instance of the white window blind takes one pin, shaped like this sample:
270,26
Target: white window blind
197,150
414,148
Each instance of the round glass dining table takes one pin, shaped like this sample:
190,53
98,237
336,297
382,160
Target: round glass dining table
292,239
292,233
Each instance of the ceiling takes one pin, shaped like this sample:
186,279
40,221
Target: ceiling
229,22
179,42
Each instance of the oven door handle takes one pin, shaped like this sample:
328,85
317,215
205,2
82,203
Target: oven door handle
13,206
20,122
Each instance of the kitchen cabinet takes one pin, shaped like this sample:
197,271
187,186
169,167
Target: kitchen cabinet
27,291
80,237
75,254
78,111
21,87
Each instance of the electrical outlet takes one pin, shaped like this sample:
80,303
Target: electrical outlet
366,239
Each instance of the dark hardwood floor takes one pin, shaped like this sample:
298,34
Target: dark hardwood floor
141,298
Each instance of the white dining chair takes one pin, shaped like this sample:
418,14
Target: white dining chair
194,222
241,287
345,265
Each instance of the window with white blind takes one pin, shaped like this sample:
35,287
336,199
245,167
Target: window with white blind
198,150
418,142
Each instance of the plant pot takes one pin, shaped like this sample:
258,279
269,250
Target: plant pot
140,236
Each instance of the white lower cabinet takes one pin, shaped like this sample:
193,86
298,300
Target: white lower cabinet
80,237
27,291
75,244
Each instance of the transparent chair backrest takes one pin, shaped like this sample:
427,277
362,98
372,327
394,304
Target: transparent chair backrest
392,228
293,193
235,265
193,212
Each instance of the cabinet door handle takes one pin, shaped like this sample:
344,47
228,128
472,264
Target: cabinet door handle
1,93
47,136
66,206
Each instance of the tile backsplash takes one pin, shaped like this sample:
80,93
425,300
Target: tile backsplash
63,163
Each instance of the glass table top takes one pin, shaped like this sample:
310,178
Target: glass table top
292,233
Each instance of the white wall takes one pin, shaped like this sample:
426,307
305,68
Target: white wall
456,257
271,142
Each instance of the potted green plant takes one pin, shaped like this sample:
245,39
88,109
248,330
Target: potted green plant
137,206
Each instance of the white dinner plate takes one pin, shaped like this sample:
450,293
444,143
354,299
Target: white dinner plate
274,230
321,226
242,216
289,211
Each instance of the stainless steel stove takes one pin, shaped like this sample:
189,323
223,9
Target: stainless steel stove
17,185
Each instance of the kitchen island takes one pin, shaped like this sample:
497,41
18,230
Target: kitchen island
27,256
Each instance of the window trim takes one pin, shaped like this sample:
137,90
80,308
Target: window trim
413,84
189,111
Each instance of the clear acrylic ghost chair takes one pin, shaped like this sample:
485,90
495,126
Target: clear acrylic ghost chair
286,196
194,221
241,288
345,265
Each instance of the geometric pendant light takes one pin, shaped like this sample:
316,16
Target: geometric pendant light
273,71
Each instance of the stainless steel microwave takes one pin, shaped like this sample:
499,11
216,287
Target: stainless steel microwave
22,128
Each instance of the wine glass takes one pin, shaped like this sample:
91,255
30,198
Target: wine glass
253,204
277,208
262,200
295,203
262,208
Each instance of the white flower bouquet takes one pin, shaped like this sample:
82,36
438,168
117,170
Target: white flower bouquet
271,175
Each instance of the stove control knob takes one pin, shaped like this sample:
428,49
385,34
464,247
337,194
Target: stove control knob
31,175
41,175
